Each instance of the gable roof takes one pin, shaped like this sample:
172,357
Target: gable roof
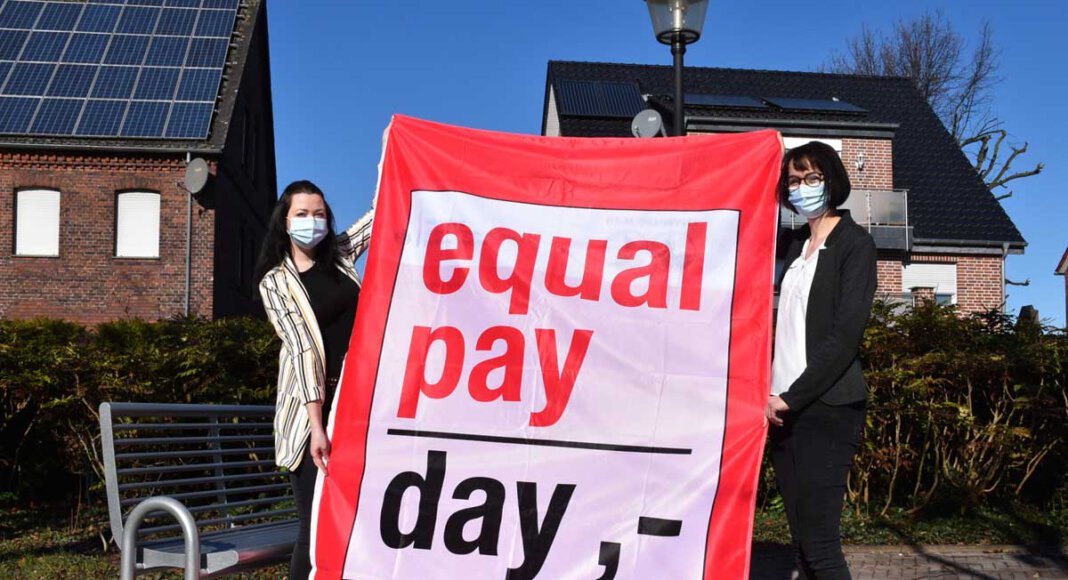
247,14
948,202
1062,266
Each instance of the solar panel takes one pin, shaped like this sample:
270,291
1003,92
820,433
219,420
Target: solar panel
101,118
59,16
115,82
20,15
45,46
72,80
108,68
99,18
167,51
723,101
145,119
29,78
57,116
127,49
822,105
15,113
598,98
176,22
11,42
138,20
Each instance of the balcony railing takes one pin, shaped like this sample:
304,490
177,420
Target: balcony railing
883,212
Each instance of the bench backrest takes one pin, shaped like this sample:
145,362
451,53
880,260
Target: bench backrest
218,460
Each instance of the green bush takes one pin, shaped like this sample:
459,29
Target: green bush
54,375
963,411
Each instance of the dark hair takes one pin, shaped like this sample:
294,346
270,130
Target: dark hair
276,243
819,157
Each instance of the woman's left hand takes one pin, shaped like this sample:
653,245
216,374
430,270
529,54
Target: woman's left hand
775,410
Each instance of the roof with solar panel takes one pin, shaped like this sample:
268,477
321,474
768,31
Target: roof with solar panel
120,73
947,200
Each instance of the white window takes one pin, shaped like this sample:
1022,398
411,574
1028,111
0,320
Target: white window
137,225
941,277
37,222
792,142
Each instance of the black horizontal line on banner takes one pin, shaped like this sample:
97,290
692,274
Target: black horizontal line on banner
659,527
540,442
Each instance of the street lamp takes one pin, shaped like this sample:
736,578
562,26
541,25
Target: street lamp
677,23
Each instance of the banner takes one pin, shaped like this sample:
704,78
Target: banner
560,362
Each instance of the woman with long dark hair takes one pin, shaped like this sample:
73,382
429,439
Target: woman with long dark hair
309,286
817,403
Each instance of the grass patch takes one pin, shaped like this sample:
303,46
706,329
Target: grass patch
48,542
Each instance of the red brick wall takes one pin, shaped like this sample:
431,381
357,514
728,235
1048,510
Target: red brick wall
878,172
888,270
979,283
87,283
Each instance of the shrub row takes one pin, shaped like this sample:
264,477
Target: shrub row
963,410
54,375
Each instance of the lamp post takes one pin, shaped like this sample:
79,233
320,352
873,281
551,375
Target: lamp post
677,23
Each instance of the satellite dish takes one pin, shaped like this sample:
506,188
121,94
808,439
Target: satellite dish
647,124
196,175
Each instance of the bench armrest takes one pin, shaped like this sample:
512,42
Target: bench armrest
190,534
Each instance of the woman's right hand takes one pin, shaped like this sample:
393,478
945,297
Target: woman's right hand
319,446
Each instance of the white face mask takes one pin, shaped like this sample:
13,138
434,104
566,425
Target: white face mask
809,200
307,232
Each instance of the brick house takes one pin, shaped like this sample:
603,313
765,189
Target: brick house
102,105
1062,270
941,234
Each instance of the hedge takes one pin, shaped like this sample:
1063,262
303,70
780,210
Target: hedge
963,410
54,375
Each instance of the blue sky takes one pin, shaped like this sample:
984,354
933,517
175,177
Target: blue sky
340,69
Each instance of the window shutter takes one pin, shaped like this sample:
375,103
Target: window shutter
137,225
37,223
941,277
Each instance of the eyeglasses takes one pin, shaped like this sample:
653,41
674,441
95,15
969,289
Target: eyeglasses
810,179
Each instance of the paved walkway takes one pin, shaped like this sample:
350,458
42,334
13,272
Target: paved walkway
775,562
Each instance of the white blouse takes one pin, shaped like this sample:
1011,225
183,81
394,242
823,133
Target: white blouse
790,356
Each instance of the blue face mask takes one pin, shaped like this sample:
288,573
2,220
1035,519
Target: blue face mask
808,200
307,232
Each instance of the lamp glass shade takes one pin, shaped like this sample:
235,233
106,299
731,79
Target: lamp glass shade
677,18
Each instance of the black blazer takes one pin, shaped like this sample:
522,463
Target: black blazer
839,304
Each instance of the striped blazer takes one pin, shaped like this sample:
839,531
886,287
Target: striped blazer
301,362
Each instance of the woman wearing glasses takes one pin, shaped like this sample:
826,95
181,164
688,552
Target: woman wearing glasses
817,403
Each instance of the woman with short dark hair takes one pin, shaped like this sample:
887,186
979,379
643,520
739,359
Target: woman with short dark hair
309,286
818,393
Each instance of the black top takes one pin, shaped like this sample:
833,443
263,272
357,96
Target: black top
839,304
333,297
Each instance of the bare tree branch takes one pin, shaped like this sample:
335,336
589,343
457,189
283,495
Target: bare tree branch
957,83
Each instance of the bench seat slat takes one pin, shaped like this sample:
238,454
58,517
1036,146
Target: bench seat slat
188,410
160,469
211,493
216,521
187,426
164,483
238,504
269,451
129,441
226,549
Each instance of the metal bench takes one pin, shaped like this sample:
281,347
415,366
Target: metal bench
211,468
